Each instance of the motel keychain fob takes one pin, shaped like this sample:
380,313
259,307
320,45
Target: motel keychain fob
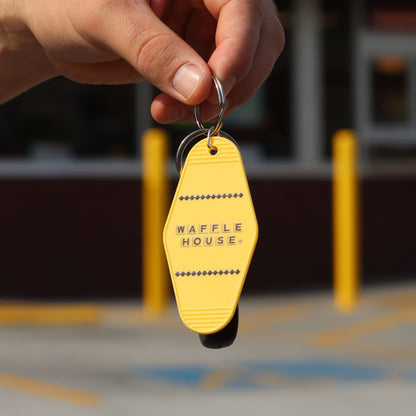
211,232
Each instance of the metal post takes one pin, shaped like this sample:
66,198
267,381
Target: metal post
307,83
345,221
155,207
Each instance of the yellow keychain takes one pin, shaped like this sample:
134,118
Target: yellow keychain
210,233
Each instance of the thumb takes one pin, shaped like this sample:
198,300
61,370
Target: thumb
136,34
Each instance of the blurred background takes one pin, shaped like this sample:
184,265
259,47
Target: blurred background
71,179
70,166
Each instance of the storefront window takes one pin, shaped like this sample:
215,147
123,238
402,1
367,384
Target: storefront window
336,30
385,80
391,16
63,119
390,100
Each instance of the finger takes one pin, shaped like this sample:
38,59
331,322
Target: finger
200,32
135,33
158,7
271,44
237,38
110,73
176,15
166,109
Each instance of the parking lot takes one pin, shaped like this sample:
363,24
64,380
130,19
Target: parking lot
294,355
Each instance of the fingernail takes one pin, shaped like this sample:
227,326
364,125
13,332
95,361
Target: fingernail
187,79
228,84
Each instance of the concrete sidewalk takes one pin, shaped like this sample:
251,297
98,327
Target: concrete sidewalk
294,355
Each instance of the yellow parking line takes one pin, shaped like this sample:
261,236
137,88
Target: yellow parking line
372,326
49,391
217,379
383,350
49,314
401,299
270,316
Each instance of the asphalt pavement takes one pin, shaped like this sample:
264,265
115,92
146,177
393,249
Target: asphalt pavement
294,355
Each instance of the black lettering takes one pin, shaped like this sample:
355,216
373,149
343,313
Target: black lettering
231,240
203,228
191,230
185,242
208,241
237,227
220,241
225,229
197,241
180,229
214,228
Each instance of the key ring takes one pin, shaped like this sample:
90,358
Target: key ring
221,101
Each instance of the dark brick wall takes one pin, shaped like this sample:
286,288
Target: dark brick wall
82,238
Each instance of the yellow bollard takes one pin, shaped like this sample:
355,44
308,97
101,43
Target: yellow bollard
154,211
345,221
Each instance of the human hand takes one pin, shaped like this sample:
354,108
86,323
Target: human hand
176,45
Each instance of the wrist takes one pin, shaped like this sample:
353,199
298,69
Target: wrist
23,63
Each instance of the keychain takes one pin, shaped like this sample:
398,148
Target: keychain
211,231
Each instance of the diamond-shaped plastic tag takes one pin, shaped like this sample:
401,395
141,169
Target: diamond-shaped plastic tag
210,235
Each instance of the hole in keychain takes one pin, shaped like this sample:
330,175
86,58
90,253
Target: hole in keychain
190,140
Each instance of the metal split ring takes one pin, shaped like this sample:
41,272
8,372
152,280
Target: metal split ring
221,101
210,133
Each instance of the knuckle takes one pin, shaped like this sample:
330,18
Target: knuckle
153,54
277,40
279,37
277,32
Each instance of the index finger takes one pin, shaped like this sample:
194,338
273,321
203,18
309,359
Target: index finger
237,37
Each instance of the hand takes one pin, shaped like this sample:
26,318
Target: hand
175,44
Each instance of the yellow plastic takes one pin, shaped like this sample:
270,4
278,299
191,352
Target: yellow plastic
155,203
346,228
210,235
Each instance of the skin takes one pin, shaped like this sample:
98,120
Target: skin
174,44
